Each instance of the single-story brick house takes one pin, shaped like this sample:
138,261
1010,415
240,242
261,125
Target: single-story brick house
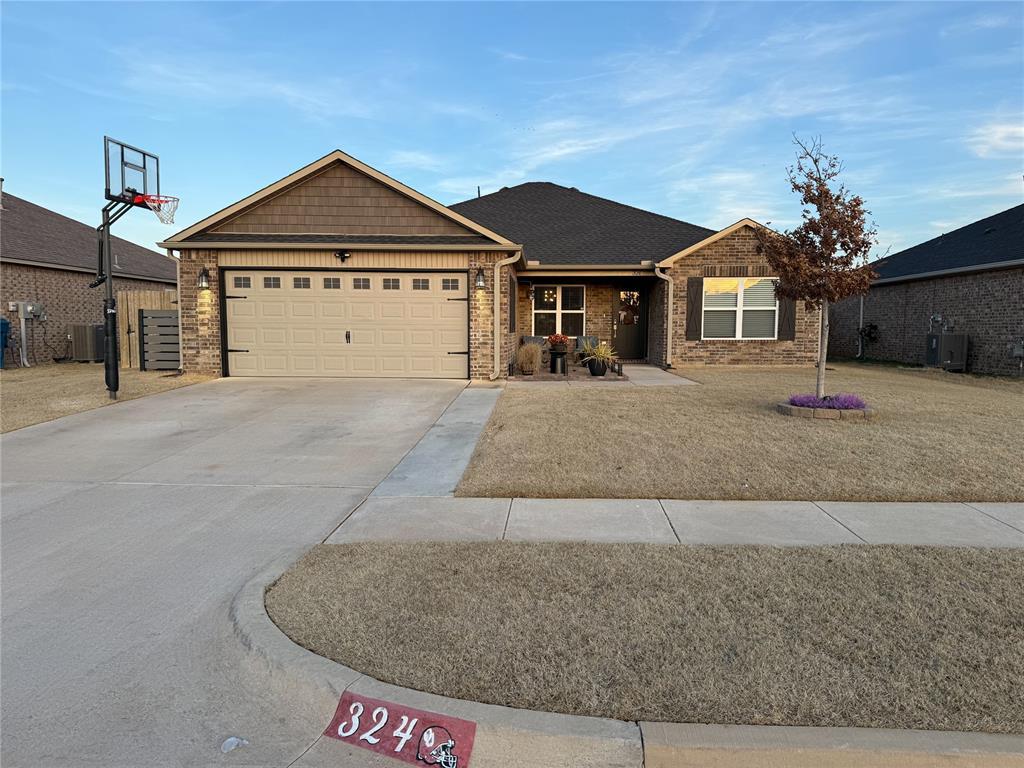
340,270
970,280
48,258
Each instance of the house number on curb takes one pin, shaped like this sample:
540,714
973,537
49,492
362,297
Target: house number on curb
407,734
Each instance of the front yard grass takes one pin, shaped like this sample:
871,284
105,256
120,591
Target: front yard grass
937,437
46,392
880,637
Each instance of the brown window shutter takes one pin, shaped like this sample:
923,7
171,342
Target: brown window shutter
787,320
694,305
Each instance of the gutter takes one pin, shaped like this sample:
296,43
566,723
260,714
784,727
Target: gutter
991,266
668,317
497,310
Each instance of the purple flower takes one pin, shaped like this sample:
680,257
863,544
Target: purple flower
840,402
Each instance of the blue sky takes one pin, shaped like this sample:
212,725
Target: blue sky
684,109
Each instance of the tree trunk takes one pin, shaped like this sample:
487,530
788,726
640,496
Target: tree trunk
822,348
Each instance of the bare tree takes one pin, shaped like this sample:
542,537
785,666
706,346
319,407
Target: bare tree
824,259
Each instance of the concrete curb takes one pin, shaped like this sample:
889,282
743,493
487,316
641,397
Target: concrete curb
312,685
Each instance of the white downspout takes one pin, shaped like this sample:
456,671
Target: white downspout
497,310
668,322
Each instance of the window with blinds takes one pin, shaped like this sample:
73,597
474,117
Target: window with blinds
740,308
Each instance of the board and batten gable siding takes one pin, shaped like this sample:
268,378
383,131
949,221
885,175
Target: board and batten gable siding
735,255
339,200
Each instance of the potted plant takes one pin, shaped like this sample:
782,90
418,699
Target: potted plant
528,358
598,358
559,343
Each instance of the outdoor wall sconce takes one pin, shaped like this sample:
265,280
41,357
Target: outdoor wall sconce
203,280
480,283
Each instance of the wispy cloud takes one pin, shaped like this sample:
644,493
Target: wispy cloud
977,23
421,161
997,139
509,55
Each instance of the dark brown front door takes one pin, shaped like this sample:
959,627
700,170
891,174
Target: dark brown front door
630,324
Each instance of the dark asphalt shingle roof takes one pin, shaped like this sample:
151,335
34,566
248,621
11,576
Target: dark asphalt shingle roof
29,232
559,225
987,241
204,237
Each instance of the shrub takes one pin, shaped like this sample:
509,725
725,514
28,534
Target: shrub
602,353
842,401
528,357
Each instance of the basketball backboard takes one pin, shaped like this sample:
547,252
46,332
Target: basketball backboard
130,172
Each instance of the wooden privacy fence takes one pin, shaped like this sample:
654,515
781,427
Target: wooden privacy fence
128,305
158,340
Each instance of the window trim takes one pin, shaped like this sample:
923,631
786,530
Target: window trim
357,284
558,311
738,309
268,282
391,284
299,285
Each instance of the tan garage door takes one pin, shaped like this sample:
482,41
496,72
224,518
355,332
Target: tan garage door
299,323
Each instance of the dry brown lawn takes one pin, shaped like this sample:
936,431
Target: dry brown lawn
33,395
938,436
880,637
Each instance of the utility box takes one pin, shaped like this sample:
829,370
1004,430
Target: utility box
947,350
31,310
87,343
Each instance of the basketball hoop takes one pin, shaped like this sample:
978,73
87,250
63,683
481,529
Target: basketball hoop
163,206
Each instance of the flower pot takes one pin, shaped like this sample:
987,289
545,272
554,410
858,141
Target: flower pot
526,372
559,348
597,367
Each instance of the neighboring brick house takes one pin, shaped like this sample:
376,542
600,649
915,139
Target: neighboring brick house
968,281
48,258
340,270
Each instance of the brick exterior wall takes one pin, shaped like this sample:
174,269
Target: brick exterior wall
657,314
199,314
481,317
988,306
201,322
67,299
739,249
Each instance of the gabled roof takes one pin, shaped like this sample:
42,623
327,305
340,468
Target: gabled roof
559,225
982,245
709,240
35,235
293,179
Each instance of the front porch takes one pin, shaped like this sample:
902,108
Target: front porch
614,310
633,375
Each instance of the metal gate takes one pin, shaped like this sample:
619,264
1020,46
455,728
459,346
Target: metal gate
159,340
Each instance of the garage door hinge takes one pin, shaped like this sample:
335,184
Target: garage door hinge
238,350
236,297
464,299
459,353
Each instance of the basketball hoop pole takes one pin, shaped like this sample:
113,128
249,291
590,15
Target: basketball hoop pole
112,211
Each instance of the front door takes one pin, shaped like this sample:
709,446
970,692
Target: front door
629,325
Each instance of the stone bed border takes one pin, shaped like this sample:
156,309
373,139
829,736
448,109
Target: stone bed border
310,685
847,414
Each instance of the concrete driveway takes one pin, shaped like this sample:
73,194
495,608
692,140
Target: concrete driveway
126,531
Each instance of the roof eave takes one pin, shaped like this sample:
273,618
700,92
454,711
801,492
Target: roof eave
197,245
990,267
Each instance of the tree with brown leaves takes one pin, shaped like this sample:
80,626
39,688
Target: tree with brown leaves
824,259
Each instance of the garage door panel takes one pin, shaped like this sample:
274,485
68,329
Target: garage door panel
325,330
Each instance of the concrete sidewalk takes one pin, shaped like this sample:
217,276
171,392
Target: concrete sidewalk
778,523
